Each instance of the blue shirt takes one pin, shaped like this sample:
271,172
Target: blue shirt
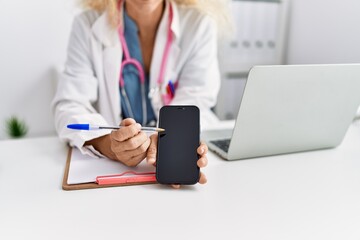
132,79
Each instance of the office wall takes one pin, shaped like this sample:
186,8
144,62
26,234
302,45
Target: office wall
324,31
33,40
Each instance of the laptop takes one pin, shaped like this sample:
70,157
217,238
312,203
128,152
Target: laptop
290,108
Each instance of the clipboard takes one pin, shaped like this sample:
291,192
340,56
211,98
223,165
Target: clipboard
124,177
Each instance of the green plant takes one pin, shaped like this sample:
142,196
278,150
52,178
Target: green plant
16,128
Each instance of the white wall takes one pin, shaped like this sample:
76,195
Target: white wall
33,40
324,31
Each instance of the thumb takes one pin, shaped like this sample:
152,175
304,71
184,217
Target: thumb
152,150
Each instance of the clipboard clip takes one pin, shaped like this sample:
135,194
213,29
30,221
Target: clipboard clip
126,177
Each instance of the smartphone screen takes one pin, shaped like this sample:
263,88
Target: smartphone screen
177,147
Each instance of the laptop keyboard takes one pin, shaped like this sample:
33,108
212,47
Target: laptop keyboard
222,144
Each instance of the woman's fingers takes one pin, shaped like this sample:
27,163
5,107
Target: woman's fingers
152,150
135,142
202,149
202,179
134,161
142,149
129,129
127,122
129,144
202,162
126,132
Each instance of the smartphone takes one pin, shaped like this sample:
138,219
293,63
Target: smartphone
177,147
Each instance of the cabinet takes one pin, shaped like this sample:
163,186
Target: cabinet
259,39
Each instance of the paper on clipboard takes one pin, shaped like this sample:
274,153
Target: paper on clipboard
85,169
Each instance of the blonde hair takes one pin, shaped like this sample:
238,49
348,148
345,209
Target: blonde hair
217,9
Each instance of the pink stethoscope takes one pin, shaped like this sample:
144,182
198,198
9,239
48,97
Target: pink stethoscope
128,60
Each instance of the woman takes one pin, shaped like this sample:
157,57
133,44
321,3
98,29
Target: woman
172,42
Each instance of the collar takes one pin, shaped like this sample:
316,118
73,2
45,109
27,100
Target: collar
108,35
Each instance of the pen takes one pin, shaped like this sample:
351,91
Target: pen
172,87
94,127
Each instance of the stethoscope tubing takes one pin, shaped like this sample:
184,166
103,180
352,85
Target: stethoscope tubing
128,60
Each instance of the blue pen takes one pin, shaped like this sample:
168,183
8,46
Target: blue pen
88,127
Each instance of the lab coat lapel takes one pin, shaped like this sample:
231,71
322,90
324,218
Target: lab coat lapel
175,48
158,53
112,63
104,32
112,55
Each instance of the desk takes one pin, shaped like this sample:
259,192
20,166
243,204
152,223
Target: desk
313,195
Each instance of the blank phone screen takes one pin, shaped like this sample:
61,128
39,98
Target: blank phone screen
177,146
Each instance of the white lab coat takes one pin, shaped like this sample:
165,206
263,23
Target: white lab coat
88,89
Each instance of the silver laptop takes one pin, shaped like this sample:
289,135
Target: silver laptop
291,108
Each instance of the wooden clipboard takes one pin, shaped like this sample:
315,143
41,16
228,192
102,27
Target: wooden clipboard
69,187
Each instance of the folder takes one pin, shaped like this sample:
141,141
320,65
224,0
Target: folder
257,25
86,172
246,12
272,32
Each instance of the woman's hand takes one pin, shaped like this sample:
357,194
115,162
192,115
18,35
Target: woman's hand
202,162
127,145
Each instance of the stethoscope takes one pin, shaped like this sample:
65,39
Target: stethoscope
128,60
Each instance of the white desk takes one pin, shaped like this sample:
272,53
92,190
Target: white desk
314,195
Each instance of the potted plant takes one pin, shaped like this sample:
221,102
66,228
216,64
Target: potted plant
16,128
